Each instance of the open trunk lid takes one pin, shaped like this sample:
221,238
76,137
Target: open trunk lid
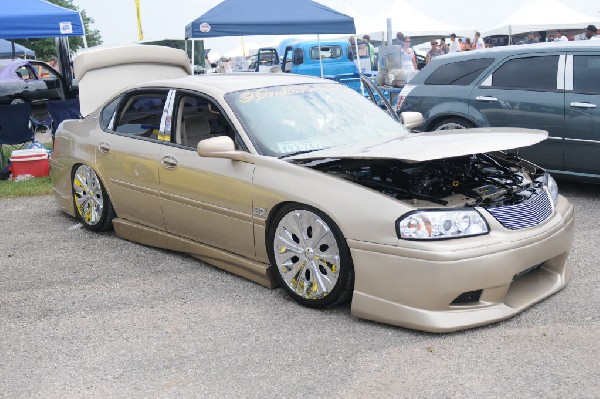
104,71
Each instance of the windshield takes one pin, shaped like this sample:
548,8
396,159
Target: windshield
285,120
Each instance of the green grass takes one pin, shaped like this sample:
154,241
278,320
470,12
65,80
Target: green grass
25,188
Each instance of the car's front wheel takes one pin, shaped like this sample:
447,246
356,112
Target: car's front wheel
453,123
311,257
92,205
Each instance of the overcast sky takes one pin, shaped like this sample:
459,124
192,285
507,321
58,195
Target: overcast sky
162,19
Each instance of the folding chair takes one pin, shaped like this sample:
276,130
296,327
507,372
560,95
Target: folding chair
60,110
14,126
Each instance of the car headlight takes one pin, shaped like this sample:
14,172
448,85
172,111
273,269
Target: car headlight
441,224
552,188
548,181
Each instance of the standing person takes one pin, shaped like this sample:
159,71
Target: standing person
467,45
479,44
561,37
399,39
408,60
591,33
367,39
530,38
434,52
53,63
444,46
454,44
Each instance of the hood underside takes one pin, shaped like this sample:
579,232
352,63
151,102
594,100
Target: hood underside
428,146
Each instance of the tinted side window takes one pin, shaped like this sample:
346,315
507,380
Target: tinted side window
533,73
298,56
586,74
141,115
108,112
460,73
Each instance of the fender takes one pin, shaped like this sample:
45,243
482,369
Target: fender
453,109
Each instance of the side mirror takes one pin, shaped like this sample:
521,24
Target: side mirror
220,147
411,120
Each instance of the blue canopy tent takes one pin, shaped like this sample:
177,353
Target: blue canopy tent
38,19
269,17
6,50
34,19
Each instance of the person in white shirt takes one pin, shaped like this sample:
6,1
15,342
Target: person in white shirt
454,44
561,37
479,44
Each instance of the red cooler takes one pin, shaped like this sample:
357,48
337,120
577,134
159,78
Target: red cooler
29,162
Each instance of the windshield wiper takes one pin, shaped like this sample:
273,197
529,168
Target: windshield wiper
291,154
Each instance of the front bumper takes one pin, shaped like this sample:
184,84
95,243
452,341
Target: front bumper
415,284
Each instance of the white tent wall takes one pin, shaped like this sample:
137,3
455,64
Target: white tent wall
541,15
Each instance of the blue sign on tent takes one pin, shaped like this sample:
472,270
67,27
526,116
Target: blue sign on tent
36,19
269,17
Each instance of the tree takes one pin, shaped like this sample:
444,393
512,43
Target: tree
46,48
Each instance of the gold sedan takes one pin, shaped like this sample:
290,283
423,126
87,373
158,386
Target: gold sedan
300,182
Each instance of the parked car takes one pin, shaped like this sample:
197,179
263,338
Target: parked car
28,80
300,182
549,86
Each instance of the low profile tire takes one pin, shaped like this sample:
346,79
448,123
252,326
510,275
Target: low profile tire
453,123
311,258
92,205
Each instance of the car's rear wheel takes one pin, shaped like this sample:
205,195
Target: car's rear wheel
311,257
453,123
92,205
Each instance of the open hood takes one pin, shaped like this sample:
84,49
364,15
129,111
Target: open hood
104,71
428,146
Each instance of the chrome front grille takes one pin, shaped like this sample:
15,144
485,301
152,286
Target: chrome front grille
526,214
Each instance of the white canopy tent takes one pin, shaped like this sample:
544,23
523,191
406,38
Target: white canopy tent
541,15
370,17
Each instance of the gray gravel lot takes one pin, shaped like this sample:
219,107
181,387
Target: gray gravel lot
89,315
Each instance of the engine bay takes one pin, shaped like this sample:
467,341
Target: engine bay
487,180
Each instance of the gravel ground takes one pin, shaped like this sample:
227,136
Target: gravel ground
89,315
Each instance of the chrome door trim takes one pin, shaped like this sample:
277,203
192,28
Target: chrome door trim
595,142
569,73
560,73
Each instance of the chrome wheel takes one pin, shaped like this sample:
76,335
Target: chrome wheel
306,254
88,195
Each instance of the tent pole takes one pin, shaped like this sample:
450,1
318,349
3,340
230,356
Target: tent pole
362,88
320,59
84,37
509,34
12,44
193,55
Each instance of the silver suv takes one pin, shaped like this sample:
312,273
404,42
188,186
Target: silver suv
549,86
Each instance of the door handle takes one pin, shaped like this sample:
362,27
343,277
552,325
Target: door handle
104,147
169,162
486,98
582,105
